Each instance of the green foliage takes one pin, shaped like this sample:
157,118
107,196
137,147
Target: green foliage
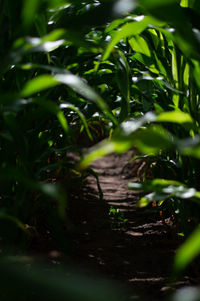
117,218
163,61
188,251
32,281
72,69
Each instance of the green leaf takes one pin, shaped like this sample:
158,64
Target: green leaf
82,117
53,108
46,81
152,140
52,191
63,121
156,184
37,45
167,11
82,88
17,134
147,199
13,219
39,84
149,140
102,149
163,189
29,11
175,117
28,279
190,146
123,80
128,30
188,251
139,44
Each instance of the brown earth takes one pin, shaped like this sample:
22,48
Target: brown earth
131,246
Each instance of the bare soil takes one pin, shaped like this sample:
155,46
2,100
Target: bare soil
130,246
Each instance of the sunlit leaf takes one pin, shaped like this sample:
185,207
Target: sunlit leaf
39,84
149,141
85,90
46,81
82,117
190,146
175,117
128,30
139,44
188,251
163,189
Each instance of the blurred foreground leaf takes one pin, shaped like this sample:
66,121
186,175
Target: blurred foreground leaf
188,251
21,277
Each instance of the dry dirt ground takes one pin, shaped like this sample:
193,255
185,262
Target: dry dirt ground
131,246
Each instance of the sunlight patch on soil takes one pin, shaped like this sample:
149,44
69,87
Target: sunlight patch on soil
143,280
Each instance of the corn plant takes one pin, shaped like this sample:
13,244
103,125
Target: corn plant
158,112
73,73
46,109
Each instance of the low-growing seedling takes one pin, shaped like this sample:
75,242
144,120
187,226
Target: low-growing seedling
118,219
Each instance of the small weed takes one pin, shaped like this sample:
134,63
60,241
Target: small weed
117,218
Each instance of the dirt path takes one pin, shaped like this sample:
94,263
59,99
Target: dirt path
137,253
